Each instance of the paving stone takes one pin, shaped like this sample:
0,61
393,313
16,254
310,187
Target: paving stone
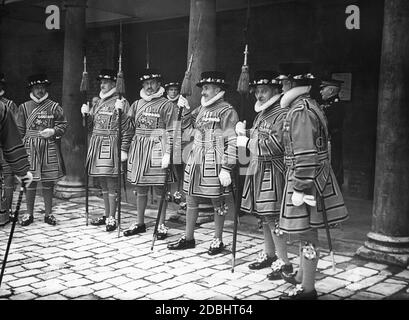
49,289
337,258
323,264
386,289
167,294
271,294
331,272
366,296
255,277
356,286
27,273
53,297
23,296
376,266
130,295
329,284
404,274
76,292
78,282
108,292
343,293
118,280
356,274
23,282
226,288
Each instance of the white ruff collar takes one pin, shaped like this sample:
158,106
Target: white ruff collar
155,95
35,99
108,94
1,93
293,94
174,99
260,107
212,100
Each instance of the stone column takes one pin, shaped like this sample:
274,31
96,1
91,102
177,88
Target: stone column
73,142
202,41
389,239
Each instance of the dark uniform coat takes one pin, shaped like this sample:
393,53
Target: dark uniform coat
264,183
308,167
102,158
10,105
152,123
213,148
11,144
46,162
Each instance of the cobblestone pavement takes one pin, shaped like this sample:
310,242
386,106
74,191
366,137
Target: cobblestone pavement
74,261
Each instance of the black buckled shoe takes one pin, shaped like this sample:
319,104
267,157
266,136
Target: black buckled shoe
216,246
27,220
278,267
162,232
98,221
135,229
290,277
263,261
111,224
50,219
182,244
298,293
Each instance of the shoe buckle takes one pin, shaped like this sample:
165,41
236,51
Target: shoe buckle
215,243
296,291
277,265
262,256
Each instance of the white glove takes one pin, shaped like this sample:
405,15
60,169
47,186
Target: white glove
225,178
297,198
241,128
183,103
310,200
26,180
46,133
165,160
242,141
119,104
85,109
124,156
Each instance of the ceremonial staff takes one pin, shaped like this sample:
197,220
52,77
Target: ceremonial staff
84,87
243,90
14,218
185,90
120,89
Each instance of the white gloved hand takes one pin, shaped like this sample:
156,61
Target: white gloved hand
26,180
183,103
165,160
46,133
119,104
225,178
310,200
242,141
241,128
85,108
297,198
124,156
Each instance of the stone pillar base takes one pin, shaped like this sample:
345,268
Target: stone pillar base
381,248
69,189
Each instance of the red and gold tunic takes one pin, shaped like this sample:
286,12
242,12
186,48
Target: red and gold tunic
44,154
153,126
264,183
308,169
213,148
102,157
